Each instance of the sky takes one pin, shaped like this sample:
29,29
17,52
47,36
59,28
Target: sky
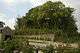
11,9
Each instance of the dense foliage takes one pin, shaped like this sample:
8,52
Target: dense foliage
49,17
9,46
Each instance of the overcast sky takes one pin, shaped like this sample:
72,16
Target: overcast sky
11,9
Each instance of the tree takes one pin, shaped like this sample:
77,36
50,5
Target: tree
49,17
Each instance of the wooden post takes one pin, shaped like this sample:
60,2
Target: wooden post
36,50
1,50
0,37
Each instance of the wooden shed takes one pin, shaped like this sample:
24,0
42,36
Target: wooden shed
6,33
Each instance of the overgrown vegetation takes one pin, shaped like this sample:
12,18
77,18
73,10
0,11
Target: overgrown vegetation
49,18
10,46
52,18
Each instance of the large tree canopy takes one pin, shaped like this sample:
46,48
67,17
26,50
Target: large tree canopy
50,17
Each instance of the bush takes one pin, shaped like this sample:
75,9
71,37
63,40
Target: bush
48,49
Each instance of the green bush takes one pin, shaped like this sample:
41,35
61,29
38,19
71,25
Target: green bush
48,49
